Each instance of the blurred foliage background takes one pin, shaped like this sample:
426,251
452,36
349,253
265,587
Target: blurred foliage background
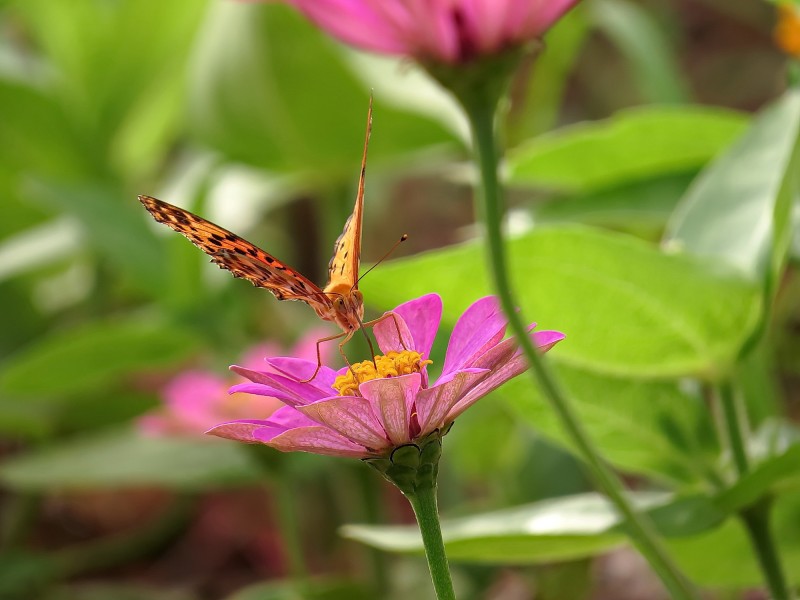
635,211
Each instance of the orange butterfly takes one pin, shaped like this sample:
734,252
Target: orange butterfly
340,301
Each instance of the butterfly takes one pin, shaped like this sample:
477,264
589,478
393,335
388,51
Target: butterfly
340,301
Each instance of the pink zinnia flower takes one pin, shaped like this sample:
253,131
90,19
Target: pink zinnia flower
197,399
375,412
450,31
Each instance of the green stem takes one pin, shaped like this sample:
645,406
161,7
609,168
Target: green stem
279,484
756,521
423,501
481,111
733,428
755,517
372,508
290,528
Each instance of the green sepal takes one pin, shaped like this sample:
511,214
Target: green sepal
413,466
483,80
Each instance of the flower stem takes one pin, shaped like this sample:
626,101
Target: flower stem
423,501
755,517
480,110
278,483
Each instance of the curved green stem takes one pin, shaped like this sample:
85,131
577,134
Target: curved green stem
733,428
481,111
756,521
423,501
756,517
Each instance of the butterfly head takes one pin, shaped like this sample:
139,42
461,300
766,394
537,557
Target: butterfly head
348,309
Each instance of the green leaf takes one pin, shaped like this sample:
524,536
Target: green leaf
636,206
723,558
645,43
643,426
775,450
287,67
127,113
37,134
626,308
92,357
632,145
116,226
729,212
550,530
548,76
124,458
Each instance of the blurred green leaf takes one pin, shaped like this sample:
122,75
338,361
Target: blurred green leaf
303,111
23,575
126,113
775,451
626,308
93,356
634,144
118,228
124,458
636,206
723,558
37,135
644,426
729,214
313,590
550,530
642,39
547,77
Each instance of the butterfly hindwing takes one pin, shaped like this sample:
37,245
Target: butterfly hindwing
237,255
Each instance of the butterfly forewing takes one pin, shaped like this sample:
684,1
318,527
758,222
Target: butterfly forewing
343,268
237,255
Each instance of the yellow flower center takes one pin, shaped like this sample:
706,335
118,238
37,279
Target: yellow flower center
390,365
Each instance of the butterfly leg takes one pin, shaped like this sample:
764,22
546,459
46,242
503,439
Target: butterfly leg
396,325
319,355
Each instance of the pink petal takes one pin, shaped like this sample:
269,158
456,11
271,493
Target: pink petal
240,431
505,362
306,346
389,333
317,439
544,16
434,404
355,22
422,316
481,326
284,389
254,357
193,399
352,417
392,399
300,369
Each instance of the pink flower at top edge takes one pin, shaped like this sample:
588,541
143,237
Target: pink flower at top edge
195,400
372,417
449,31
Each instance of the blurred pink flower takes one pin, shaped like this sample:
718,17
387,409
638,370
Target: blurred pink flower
449,31
367,417
195,400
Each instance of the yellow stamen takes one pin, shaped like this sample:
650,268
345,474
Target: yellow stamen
390,365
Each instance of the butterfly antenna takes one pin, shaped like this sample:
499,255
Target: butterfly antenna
402,239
